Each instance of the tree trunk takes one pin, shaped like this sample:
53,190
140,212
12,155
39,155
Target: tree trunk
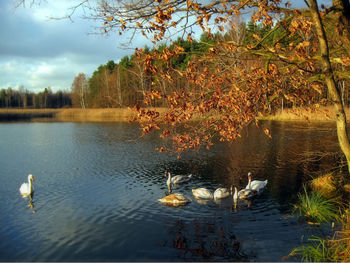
330,82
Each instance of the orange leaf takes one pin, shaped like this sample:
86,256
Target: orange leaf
267,132
257,37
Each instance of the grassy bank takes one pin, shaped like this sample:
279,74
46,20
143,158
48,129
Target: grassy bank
88,115
95,115
125,114
326,203
305,114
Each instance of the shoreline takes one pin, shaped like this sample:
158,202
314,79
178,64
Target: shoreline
306,114
321,114
67,115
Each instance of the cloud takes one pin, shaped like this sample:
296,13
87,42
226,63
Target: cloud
38,52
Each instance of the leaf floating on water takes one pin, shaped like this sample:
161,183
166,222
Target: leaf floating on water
312,223
267,132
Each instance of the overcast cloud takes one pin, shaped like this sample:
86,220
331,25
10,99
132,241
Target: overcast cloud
37,52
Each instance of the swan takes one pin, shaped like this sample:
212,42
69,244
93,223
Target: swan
178,179
247,192
202,193
221,193
256,185
235,196
168,182
27,188
174,199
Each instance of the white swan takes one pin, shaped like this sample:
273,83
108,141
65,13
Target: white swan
168,182
202,193
247,192
221,193
256,185
27,188
235,196
175,199
178,179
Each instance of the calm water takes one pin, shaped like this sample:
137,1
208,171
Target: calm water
96,195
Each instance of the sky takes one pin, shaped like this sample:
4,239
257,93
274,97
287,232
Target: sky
37,52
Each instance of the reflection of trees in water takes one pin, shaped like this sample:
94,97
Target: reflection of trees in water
205,241
295,152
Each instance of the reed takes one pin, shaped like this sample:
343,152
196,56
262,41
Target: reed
95,115
315,208
341,241
125,114
335,249
308,114
318,250
325,185
70,114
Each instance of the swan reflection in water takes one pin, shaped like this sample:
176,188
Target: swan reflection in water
30,201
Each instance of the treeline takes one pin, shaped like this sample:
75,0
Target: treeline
21,98
124,84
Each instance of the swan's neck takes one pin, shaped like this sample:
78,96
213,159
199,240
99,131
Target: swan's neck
235,195
168,182
30,184
249,183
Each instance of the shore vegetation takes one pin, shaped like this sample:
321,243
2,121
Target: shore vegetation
284,57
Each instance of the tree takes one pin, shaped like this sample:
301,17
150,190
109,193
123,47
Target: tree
301,58
285,57
79,90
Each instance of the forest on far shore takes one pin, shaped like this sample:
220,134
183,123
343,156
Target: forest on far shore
124,84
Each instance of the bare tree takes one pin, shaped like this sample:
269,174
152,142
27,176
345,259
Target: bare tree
79,90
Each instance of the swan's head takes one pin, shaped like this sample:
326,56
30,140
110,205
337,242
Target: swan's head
249,176
31,177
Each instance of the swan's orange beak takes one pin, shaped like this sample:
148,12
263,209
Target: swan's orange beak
32,178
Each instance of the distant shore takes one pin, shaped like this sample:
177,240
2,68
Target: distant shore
71,114
307,114
125,114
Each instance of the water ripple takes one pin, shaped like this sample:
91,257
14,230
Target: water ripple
96,196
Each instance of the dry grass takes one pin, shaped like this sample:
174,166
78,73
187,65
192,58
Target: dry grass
306,114
71,114
324,185
340,243
95,115
124,114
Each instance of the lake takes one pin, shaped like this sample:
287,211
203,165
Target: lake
96,194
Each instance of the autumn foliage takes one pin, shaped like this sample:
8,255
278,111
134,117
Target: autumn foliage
233,82
286,56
